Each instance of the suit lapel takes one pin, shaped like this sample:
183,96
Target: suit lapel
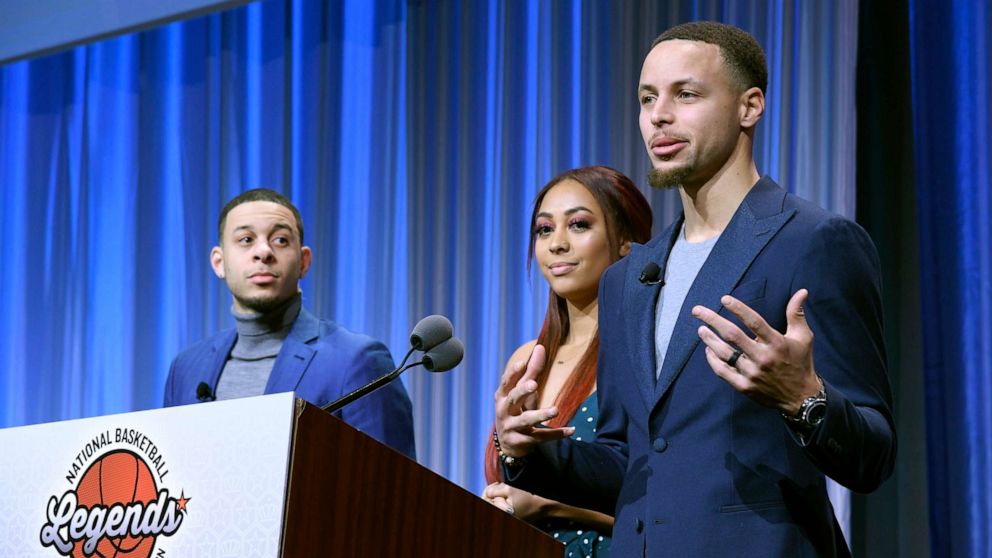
753,225
639,302
218,357
295,355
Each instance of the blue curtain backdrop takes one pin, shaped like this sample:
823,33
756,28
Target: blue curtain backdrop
952,97
412,135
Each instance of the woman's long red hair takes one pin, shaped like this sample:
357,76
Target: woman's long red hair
628,218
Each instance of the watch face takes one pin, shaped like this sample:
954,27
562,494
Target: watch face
815,412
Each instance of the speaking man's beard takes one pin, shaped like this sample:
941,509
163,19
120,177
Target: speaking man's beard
669,178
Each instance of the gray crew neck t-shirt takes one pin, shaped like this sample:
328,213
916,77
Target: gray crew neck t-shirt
684,263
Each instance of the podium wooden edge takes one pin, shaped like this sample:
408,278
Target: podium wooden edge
349,495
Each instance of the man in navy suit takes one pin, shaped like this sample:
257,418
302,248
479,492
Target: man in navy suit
721,413
277,345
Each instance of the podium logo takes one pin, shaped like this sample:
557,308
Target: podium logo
117,507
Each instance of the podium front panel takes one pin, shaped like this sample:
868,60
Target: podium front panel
199,480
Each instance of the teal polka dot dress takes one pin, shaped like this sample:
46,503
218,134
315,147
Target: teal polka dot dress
579,541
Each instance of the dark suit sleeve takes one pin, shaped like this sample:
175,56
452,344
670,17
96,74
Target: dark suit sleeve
587,474
385,414
856,443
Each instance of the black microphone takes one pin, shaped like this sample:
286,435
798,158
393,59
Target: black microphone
426,334
651,275
429,332
204,393
432,334
444,356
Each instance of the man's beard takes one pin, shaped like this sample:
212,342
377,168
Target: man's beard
262,304
669,178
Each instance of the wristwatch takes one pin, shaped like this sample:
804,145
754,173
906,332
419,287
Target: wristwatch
811,411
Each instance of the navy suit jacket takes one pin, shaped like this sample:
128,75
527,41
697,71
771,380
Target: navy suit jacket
320,361
691,467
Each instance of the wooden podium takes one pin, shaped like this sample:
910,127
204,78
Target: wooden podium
261,476
347,489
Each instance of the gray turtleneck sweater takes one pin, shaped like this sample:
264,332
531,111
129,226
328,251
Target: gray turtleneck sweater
260,338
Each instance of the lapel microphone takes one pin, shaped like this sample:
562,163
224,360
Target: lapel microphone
204,393
651,275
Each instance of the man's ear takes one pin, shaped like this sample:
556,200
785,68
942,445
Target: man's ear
624,248
306,258
752,104
217,261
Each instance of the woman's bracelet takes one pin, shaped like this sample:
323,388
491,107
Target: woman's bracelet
507,460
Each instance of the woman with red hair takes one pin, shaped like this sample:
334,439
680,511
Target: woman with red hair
583,220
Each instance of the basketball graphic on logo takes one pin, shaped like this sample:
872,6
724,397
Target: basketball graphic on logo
117,477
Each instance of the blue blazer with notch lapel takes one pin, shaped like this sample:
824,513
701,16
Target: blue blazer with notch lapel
691,467
320,361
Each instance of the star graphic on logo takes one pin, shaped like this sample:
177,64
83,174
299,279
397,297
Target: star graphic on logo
182,501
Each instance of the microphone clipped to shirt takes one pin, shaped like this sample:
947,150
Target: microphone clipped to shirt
651,275
434,337
204,393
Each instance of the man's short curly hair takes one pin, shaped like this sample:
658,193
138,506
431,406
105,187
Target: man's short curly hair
258,194
741,52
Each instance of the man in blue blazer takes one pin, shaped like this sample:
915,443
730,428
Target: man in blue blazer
721,413
277,345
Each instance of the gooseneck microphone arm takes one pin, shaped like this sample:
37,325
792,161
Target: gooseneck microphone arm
442,352
369,387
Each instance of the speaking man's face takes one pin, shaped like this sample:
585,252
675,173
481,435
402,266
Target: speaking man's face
690,112
260,256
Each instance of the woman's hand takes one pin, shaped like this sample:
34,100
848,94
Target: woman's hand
519,424
516,502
